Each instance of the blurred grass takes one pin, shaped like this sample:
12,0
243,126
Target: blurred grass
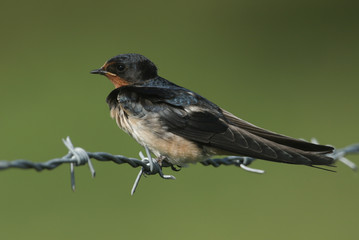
287,66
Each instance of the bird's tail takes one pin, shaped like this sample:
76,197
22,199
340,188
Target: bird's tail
304,153
264,144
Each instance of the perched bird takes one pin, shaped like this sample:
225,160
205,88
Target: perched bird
180,126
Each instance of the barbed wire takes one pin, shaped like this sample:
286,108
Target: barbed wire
78,156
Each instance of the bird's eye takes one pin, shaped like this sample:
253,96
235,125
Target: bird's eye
120,67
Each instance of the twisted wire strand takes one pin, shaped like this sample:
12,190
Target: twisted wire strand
78,157
107,157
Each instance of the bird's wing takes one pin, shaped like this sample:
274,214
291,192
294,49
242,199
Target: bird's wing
275,137
189,115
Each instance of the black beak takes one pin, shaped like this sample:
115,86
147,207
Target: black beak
98,71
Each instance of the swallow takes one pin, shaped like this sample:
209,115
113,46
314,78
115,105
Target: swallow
179,126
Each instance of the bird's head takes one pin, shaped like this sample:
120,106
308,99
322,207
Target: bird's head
126,69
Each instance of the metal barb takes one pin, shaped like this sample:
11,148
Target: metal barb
81,157
72,174
154,168
338,155
139,175
253,170
349,163
149,158
135,184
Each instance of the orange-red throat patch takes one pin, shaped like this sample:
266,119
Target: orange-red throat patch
116,80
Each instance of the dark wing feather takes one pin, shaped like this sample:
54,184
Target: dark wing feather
189,115
275,137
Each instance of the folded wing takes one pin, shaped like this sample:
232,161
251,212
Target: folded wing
189,115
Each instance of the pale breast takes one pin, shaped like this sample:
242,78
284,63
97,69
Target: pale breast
148,131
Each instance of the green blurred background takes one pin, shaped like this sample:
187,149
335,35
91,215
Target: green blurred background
288,66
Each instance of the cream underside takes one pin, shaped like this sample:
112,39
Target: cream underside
178,150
